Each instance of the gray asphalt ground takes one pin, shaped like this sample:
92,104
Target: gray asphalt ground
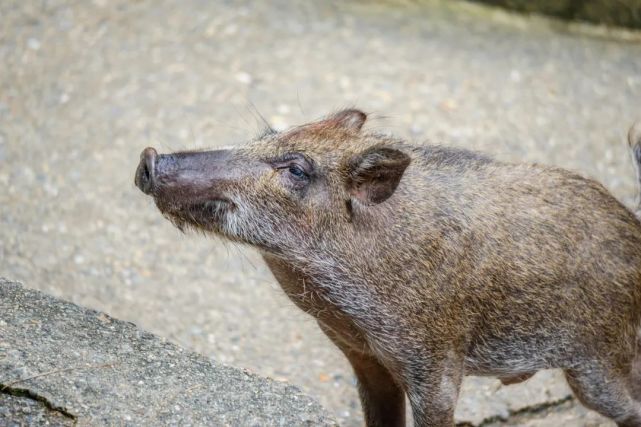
85,85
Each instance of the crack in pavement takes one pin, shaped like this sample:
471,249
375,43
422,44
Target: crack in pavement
519,413
523,412
26,393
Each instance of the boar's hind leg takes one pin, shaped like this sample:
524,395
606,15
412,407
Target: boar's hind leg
602,390
516,379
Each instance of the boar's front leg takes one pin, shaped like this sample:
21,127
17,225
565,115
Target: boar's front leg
433,383
382,399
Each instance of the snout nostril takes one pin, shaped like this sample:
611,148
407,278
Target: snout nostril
145,174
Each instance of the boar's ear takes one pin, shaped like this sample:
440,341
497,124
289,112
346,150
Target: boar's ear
350,119
374,174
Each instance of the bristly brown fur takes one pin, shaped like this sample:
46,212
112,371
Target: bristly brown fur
424,264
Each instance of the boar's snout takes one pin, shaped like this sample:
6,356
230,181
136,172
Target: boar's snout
193,188
146,172
187,178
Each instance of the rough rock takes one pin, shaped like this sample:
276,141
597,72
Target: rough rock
62,364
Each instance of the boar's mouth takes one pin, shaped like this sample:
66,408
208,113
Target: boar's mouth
207,215
211,208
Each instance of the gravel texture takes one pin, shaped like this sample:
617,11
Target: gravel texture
85,85
85,367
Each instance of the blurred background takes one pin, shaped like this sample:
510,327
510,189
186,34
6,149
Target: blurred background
86,85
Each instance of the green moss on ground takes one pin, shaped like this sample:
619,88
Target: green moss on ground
624,13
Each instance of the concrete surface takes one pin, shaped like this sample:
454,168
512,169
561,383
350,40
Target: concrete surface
85,85
82,366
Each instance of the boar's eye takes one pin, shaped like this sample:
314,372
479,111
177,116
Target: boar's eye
297,171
